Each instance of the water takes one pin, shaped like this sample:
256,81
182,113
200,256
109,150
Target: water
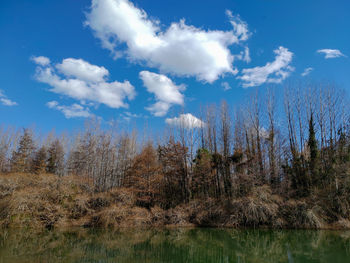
174,245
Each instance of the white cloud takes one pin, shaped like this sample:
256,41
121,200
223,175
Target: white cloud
187,121
331,53
6,101
165,91
240,27
127,116
226,86
72,111
83,81
82,70
272,72
180,49
244,55
159,108
41,60
132,115
306,72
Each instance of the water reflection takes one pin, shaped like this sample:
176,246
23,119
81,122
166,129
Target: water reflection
174,245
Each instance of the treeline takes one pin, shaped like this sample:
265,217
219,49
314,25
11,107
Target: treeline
298,145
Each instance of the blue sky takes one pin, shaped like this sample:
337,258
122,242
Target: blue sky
144,62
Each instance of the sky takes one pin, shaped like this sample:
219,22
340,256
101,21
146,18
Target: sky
155,62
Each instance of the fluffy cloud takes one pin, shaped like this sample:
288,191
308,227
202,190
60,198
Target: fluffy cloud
181,49
80,80
331,53
6,101
72,111
187,121
306,72
82,70
165,91
272,72
41,60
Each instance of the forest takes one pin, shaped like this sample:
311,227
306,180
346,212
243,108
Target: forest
279,160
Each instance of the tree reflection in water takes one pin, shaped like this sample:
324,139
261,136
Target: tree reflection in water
174,245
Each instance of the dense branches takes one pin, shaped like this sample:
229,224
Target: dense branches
299,152
22,158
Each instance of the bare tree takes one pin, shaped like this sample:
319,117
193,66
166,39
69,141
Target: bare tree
271,112
226,140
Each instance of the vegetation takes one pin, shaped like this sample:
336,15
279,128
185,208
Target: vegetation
258,166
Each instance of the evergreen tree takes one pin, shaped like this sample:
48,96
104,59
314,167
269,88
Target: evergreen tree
22,158
55,160
203,178
144,177
39,161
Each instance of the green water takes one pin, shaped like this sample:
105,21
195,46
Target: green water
174,245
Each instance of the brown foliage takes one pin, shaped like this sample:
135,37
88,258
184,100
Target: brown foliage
173,157
145,177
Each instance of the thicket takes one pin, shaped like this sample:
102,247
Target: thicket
249,159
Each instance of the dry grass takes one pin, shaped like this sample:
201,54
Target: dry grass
39,201
45,200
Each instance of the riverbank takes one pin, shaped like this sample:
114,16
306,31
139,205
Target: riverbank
48,201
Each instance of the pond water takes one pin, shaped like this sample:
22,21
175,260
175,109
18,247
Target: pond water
174,245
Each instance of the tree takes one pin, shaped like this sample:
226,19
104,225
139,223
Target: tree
126,152
225,139
22,158
76,159
203,179
144,177
254,113
272,140
313,149
8,141
294,166
39,160
55,160
172,157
